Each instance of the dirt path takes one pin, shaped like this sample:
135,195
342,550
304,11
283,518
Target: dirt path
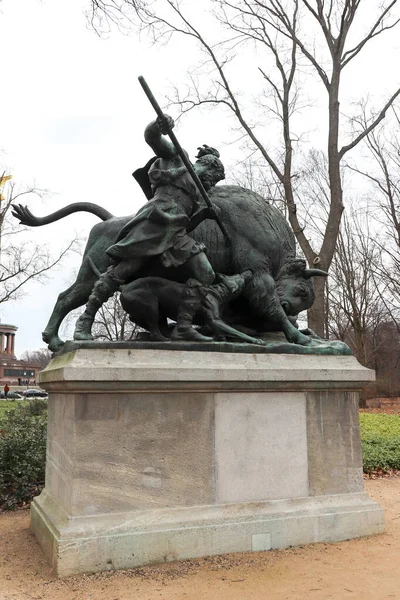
364,569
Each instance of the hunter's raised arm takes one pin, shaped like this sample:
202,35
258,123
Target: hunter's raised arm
154,136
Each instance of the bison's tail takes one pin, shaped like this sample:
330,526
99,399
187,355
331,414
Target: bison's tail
27,218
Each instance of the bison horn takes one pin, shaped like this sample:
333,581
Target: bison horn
314,273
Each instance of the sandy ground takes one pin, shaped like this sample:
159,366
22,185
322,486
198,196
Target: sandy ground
364,569
389,406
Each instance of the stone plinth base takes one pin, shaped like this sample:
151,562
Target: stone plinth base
158,455
131,539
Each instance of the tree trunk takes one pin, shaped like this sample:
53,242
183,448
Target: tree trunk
316,314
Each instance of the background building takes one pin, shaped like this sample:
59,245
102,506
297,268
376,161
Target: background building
12,370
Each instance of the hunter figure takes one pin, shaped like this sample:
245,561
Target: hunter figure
160,228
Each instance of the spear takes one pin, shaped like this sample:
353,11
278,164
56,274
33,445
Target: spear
183,156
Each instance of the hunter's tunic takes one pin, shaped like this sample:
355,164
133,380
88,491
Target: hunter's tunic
159,228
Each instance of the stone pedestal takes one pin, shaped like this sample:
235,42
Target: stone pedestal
160,455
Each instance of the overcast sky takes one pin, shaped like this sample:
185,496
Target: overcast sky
72,119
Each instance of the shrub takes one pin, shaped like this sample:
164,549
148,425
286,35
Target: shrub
380,437
377,389
22,453
36,407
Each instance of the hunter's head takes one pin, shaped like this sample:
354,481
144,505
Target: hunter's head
208,166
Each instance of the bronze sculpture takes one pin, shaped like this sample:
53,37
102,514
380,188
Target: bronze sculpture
176,246
262,242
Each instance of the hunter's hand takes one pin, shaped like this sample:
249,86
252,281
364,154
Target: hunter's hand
165,124
213,212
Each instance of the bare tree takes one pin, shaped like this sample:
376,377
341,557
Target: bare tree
20,260
41,356
383,174
103,14
112,323
316,30
354,307
355,303
362,299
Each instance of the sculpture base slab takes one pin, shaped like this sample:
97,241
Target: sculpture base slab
275,343
158,455
132,539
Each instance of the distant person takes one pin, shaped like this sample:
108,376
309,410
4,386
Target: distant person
6,390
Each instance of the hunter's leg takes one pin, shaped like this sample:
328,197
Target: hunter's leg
190,302
192,298
105,287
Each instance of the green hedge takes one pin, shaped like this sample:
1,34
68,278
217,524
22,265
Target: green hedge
22,453
380,437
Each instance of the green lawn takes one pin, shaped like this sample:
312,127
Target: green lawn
10,405
380,437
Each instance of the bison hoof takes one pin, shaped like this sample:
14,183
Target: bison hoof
301,339
294,336
54,343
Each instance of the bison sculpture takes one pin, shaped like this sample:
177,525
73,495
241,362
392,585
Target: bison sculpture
261,241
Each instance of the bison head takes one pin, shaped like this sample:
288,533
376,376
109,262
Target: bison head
295,288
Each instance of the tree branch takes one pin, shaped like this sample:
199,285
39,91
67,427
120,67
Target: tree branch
371,127
350,54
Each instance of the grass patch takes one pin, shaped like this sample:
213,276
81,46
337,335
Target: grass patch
380,438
